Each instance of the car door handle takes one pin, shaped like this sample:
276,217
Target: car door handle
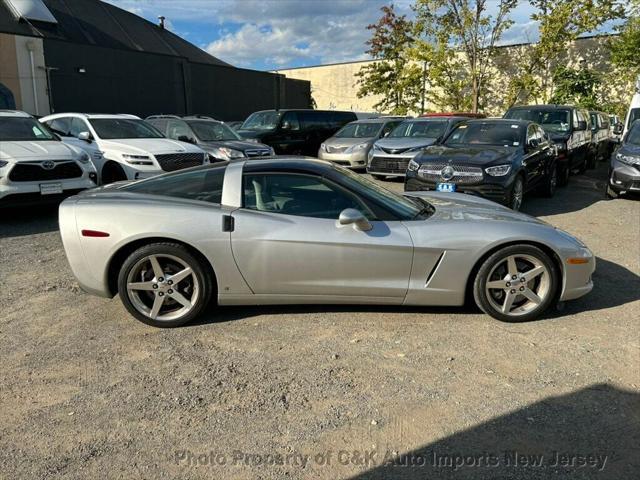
228,223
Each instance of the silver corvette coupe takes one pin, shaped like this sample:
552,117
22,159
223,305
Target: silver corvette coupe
300,231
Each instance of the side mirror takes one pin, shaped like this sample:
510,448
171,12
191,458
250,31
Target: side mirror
582,125
617,129
351,216
534,143
184,138
85,136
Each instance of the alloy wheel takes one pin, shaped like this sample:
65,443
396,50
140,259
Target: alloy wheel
518,285
516,194
163,287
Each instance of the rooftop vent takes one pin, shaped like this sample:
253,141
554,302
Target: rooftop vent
32,10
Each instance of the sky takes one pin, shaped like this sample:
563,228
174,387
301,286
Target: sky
276,34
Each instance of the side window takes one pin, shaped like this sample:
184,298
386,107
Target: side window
300,195
292,119
204,185
77,127
179,130
60,126
313,120
386,130
576,119
160,124
604,122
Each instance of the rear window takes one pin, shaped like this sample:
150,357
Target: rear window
201,184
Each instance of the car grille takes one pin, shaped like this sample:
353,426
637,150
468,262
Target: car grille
176,161
331,149
463,175
389,165
35,172
393,150
261,152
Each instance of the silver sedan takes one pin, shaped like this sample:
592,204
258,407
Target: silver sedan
299,231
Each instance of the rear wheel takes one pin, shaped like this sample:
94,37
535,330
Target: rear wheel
516,284
164,285
563,175
551,182
112,172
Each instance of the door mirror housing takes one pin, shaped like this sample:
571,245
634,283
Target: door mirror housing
534,143
184,138
85,136
351,216
582,125
617,129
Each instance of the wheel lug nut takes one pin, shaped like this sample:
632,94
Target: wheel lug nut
155,285
161,294
170,291
514,277
508,284
513,291
522,280
170,282
161,279
522,289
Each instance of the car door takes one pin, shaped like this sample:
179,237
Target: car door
287,241
289,137
533,158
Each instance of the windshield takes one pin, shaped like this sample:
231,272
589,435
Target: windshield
634,115
419,129
261,121
552,120
402,207
16,129
502,134
359,130
123,128
634,134
212,131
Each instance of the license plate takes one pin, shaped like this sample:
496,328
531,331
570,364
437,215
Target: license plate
446,187
50,188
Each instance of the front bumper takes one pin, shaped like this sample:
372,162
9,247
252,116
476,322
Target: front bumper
350,160
27,193
496,189
624,178
577,278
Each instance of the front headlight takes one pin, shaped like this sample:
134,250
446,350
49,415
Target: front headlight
137,159
3,163
225,153
323,147
627,159
355,148
498,170
83,157
413,166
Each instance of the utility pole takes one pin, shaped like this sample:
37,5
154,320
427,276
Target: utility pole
424,86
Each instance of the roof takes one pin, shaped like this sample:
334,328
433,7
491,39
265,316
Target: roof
549,106
14,113
507,121
93,22
93,115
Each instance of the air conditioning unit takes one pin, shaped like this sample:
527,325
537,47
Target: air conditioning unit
31,10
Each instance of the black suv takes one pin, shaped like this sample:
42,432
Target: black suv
215,137
569,128
294,132
497,159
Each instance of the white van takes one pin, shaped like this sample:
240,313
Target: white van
124,147
634,109
35,166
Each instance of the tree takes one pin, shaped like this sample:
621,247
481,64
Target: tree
392,76
560,22
625,48
576,86
472,27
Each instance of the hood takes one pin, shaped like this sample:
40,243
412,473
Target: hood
241,145
480,156
462,207
44,150
253,133
628,149
345,143
148,145
404,143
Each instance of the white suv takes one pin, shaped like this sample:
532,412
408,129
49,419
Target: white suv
124,147
35,165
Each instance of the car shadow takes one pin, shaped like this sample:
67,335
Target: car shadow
594,432
581,192
20,221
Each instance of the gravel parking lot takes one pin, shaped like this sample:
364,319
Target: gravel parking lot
322,392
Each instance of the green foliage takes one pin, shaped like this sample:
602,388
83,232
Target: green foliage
465,26
576,86
393,76
625,48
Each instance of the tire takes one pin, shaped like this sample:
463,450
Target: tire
112,172
494,285
550,184
563,175
382,178
178,302
591,162
583,167
516,194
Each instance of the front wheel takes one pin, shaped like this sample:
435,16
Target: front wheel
516,194
164,285
516,284
563,175
551,182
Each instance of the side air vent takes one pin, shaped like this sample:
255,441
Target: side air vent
34,10
435,267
